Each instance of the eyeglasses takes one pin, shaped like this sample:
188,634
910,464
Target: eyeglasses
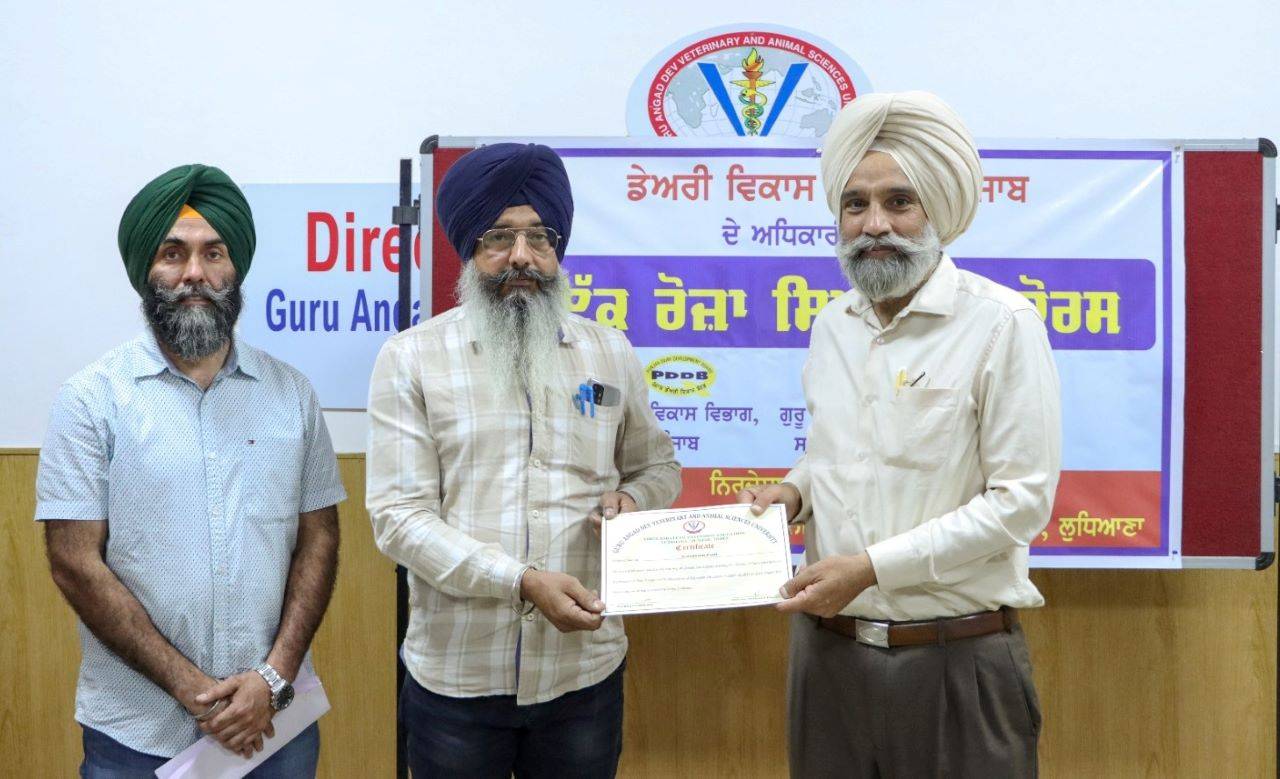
499,240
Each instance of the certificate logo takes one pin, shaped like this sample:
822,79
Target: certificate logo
681,375
746,81
694,526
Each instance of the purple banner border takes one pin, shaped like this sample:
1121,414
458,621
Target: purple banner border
1165,157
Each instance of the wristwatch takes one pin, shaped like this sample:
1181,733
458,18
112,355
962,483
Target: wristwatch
281,691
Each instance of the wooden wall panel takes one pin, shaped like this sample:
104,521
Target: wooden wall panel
39,651
1140,673
354,650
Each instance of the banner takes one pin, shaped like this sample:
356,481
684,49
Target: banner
715,261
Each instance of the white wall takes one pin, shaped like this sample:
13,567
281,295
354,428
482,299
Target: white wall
95,99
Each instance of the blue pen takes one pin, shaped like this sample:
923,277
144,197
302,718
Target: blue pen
584,397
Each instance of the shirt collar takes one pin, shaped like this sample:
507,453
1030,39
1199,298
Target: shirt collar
150,360
243,358
937,296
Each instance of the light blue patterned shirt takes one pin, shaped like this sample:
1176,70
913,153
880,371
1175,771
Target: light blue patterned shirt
201,491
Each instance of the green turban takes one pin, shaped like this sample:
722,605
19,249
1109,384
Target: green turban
154,210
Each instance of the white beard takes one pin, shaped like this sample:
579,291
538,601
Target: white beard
519,334
893,276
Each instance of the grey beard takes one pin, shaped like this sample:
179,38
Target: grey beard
896,275
520,333
192,332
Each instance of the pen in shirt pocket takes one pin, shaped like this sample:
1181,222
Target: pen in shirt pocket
904,380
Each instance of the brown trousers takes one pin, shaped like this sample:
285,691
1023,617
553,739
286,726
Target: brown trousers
964,709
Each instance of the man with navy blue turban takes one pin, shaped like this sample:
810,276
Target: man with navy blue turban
500,433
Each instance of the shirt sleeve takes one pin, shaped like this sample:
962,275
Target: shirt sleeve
799,475
1020,446
321,482
75,461
403,488
644,455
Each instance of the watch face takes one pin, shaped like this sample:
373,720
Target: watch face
283,698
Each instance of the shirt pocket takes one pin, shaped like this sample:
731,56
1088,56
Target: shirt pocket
592,441
271,480
914,427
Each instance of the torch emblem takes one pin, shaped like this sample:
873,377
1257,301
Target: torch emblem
752,99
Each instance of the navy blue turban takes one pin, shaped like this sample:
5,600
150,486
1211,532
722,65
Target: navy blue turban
485,182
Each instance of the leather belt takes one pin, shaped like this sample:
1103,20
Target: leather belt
933,631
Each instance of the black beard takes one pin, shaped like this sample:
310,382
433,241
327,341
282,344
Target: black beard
192,332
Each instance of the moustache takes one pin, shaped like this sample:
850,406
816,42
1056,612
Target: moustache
497,281
184,292
857,247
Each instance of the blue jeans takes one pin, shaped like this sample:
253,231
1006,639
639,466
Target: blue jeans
106,758
578,734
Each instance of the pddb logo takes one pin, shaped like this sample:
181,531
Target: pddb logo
681,375
745,81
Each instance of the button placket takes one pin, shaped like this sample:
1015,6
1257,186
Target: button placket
217,541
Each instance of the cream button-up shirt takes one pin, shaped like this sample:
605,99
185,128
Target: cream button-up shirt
934,446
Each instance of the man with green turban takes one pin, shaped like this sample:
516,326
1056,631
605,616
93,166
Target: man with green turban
188,488
187,190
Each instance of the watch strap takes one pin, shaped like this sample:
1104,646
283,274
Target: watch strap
273,679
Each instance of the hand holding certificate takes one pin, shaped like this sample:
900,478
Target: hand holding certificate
718,557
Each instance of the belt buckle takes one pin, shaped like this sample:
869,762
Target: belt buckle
872,632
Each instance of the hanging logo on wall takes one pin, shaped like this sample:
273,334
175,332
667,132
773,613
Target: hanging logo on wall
744,80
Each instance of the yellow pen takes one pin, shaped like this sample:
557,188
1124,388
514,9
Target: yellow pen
902,379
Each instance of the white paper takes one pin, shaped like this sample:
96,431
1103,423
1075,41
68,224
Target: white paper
207,759
716,557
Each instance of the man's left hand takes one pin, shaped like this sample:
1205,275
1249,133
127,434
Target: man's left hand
611,505
827,586
241,726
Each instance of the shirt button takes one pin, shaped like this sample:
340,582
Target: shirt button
528,617
212,456
861,457
869,399
537,463
533,513
880,340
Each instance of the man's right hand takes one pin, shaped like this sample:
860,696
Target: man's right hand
761,496
195,683
562,600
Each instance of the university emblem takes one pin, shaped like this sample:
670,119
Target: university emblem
755,81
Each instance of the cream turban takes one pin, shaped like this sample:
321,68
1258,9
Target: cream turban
927,140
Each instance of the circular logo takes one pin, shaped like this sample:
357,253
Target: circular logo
680,375
744,81
694,526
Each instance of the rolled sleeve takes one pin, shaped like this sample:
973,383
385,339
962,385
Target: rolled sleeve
72,479
321,481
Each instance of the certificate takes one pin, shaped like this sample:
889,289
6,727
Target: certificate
718,557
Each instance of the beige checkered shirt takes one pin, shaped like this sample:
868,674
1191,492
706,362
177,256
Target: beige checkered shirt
466,489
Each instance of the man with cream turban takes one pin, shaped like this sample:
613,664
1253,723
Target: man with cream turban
499,433
932,460
189,489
